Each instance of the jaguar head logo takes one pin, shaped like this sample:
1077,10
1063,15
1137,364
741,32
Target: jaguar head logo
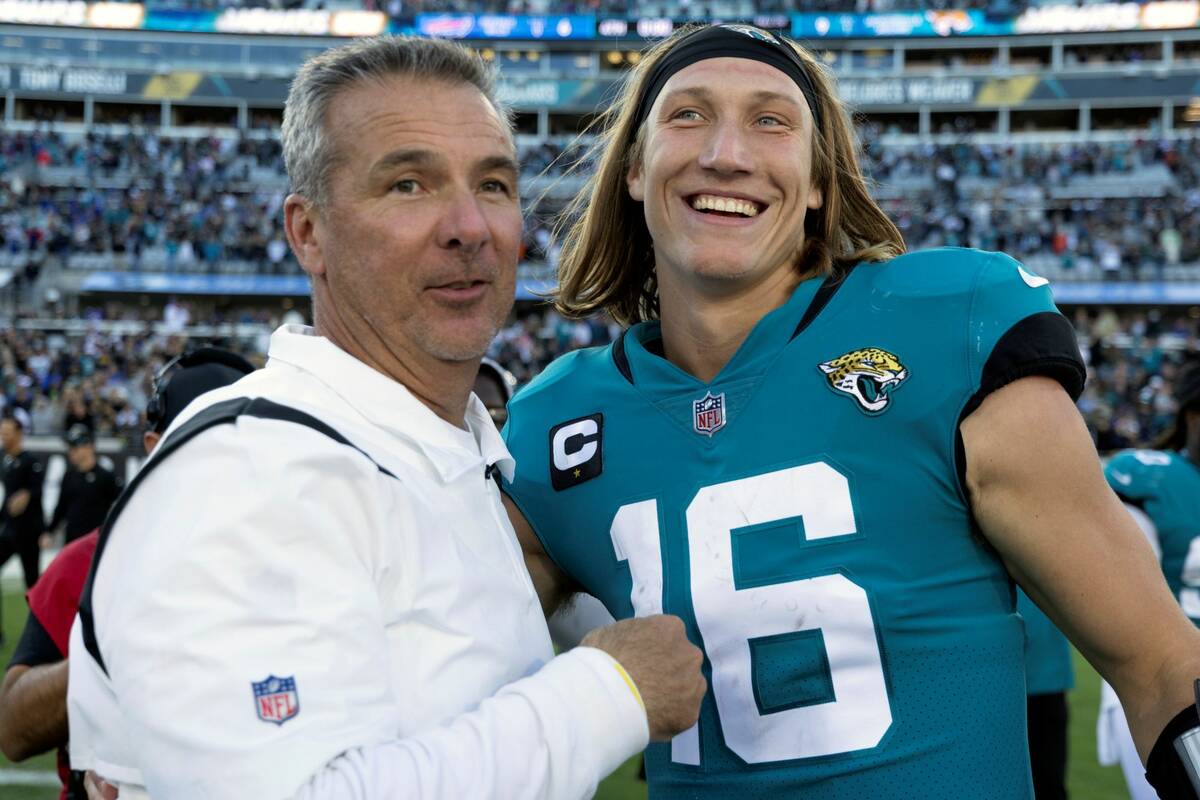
869,376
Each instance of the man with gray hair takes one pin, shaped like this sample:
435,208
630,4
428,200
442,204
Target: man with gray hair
312,588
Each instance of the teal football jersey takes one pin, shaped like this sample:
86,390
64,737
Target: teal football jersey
804,515
1166,485
1047,652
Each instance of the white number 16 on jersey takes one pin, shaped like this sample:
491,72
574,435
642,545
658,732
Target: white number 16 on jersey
859,713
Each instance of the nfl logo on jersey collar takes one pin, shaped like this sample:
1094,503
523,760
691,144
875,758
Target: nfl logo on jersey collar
708,413
276,699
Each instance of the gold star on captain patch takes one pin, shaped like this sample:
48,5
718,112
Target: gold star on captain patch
577,473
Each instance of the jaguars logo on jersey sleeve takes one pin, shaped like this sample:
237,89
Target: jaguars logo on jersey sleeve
869,376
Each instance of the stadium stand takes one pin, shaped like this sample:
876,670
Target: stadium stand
147,202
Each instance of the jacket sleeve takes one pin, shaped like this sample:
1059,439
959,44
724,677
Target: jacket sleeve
273,571
551,735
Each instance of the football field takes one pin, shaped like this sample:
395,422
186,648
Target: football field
35,780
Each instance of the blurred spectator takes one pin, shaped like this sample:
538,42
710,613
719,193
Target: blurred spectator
88,488
677,9
21,516
213,204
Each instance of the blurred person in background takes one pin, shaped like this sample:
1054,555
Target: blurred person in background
1161,490
87,491
494,385
1048,677
33,696
78,413
21,517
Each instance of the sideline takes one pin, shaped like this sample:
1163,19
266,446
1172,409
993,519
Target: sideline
25,777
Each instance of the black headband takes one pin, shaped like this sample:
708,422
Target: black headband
729,41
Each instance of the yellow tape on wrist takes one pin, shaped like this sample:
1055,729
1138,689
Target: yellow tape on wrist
629,682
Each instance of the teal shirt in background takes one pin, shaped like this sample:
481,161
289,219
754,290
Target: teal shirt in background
803,514
1047,652
1166,486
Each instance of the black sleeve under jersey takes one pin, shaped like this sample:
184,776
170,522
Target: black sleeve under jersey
1041,344
35,647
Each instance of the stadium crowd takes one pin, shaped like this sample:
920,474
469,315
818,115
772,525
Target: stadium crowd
103,379
675,9
1029,201
213,204
198,205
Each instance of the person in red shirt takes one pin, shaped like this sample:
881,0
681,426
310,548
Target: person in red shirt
33,696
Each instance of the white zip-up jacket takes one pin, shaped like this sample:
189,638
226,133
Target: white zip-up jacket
279,617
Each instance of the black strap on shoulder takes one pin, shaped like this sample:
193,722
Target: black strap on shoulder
821,299
621,358
217,414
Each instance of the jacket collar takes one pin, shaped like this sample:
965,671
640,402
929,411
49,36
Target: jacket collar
388,404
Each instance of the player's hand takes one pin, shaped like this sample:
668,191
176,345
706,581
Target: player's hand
664,666
18,503
97,788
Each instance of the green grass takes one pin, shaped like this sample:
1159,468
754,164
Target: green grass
1087,780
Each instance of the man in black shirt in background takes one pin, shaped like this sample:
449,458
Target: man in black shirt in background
88,490
21,520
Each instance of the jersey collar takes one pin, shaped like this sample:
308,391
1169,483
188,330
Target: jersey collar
388,404
639,347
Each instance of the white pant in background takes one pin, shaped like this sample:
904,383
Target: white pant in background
1114,744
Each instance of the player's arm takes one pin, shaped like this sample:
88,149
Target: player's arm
33,696
65,494
554,587
1037,491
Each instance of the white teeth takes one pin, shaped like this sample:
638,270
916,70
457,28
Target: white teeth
730,205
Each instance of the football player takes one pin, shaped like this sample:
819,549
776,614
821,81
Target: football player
1161,489
829,458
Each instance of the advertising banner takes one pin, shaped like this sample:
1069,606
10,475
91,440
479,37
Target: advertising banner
500,26
898,25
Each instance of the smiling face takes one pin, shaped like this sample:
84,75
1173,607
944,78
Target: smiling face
725,174
418,241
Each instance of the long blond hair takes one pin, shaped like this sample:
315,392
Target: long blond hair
607,259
